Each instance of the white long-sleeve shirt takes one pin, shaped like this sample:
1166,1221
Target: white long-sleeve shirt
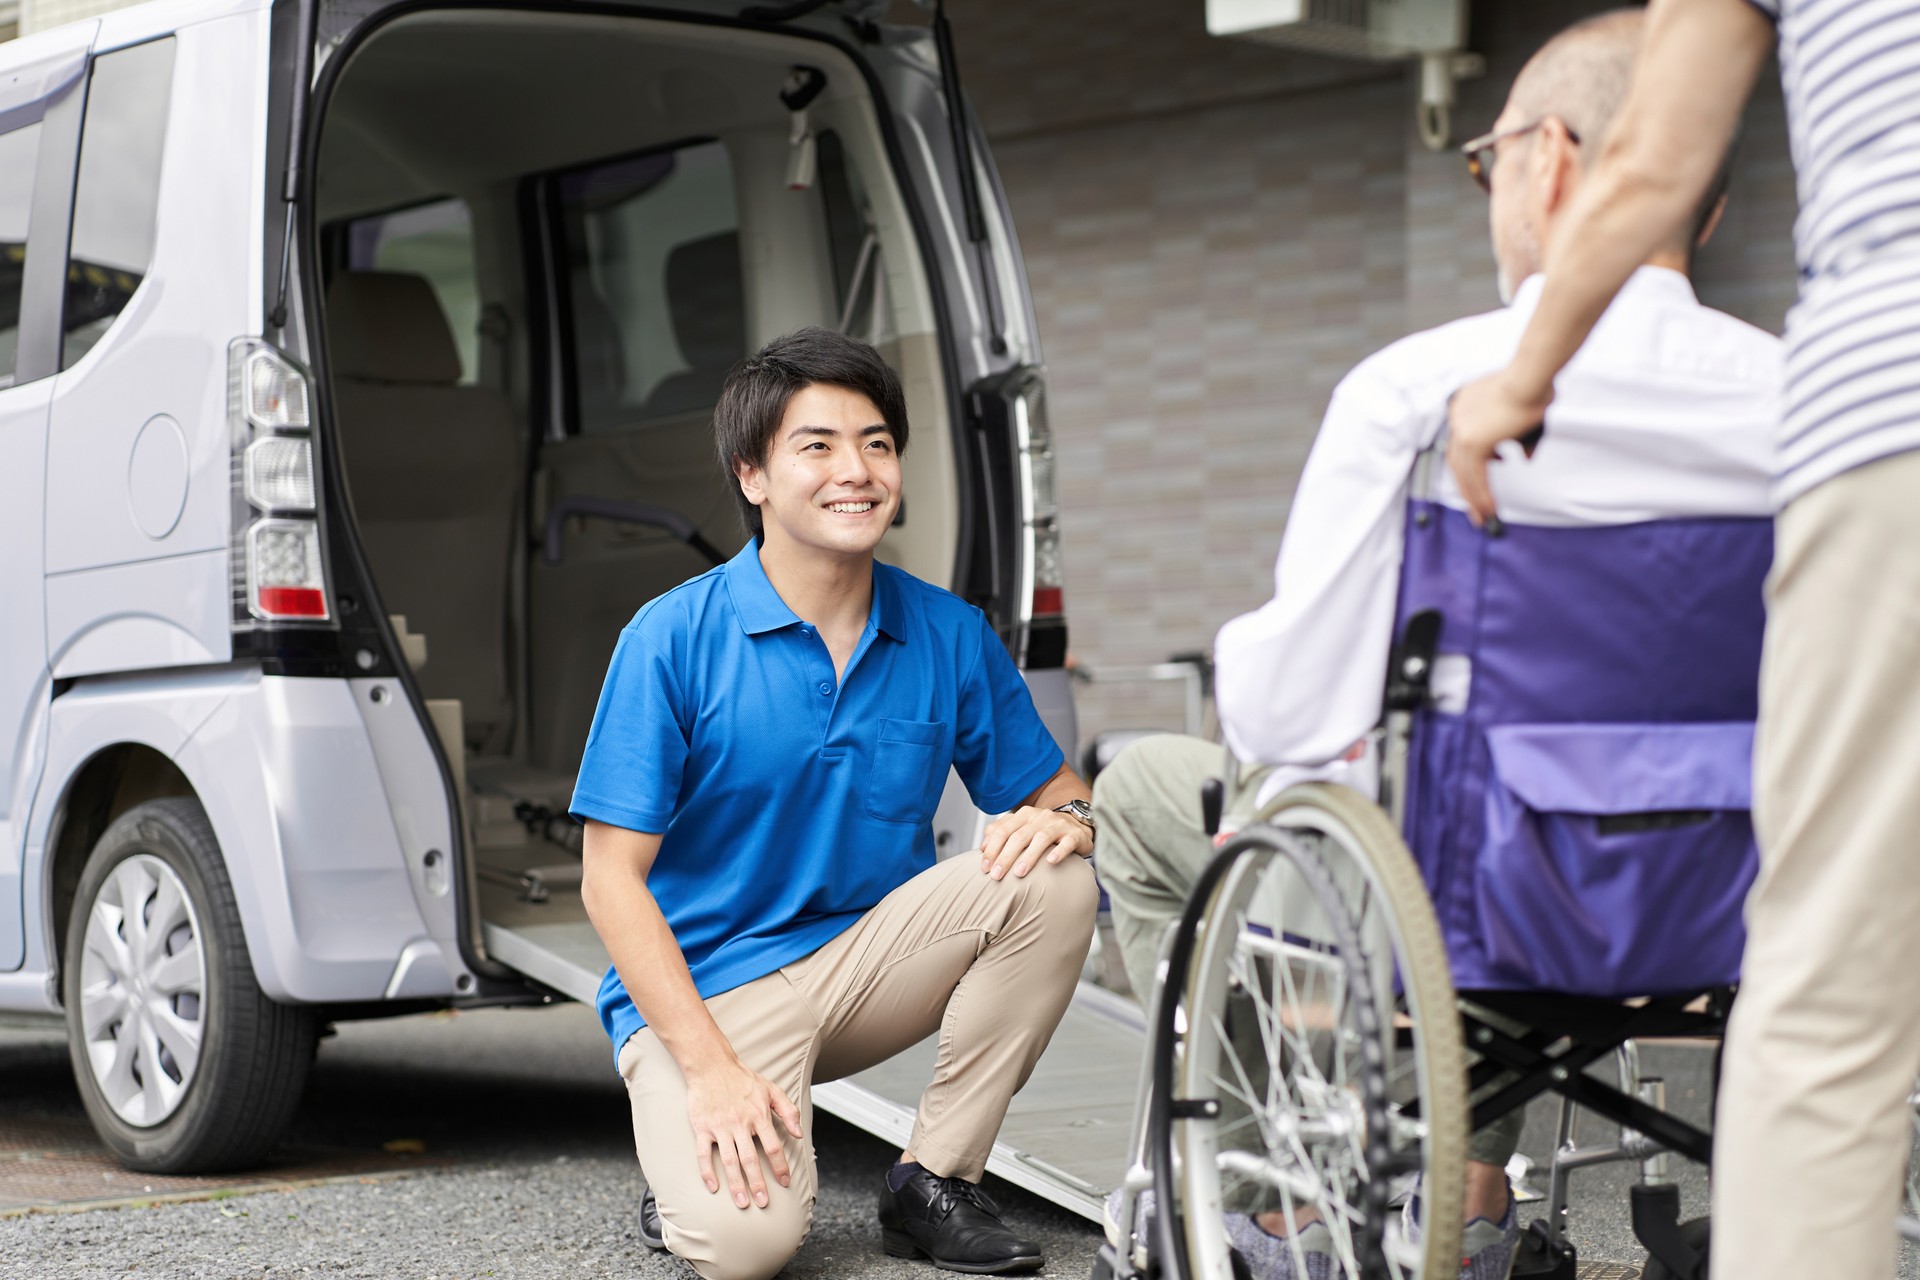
1668,410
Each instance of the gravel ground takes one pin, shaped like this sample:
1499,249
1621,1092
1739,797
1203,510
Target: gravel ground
544,1181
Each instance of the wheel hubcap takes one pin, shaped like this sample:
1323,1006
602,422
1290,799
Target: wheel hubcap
143,990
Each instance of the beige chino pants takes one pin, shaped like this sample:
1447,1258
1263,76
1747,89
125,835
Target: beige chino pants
989,965
1812,1133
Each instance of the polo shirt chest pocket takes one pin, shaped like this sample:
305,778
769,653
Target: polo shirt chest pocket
910,761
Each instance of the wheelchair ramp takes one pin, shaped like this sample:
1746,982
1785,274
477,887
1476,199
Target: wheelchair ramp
1066,1135
533,922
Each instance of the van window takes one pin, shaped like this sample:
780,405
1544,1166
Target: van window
655,298
859,276
19,153
117,195
436,241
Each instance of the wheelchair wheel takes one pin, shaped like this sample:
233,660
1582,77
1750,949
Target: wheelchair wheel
1312,1067
1913,1158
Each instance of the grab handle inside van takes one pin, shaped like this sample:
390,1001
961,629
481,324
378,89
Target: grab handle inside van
553,540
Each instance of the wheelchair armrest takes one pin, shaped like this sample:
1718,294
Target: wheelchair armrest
1410,666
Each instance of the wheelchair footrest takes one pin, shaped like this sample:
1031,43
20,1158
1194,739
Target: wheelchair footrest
1539,1258
1113,1264
1657,1226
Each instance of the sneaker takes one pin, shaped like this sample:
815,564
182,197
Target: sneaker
1486,1247
1251,1244
1271,1257
954,1223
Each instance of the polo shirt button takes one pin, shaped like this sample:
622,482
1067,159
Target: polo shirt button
826,688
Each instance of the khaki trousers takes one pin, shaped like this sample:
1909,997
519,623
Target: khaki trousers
1812,1133
990,965
1153,846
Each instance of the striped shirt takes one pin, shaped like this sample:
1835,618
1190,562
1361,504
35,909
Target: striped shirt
1851,74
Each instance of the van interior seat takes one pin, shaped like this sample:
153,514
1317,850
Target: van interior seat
659,452
433,469
708,301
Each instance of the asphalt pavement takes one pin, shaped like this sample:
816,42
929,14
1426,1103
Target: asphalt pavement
540,1180
526,1169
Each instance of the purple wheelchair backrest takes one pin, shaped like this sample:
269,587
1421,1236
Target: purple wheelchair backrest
1582,822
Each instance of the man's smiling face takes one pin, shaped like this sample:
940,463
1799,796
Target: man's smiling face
832,477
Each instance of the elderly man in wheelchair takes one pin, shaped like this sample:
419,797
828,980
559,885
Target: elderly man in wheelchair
1487,788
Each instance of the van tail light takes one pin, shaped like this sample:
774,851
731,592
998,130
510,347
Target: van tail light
279,565
1041,590
283,569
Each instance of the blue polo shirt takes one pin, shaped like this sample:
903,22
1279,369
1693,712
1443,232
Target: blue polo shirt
790,803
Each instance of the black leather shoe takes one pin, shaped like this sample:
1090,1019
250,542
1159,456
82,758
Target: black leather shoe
954,1223
652,1234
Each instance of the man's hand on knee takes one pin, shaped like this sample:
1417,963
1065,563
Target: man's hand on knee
1017,842
730,1106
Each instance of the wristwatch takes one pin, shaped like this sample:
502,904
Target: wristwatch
1078,809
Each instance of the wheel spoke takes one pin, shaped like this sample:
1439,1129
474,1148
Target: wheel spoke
158,1092
169,911
133,883
179,971
103,938
182,1039
112,1062
101,1005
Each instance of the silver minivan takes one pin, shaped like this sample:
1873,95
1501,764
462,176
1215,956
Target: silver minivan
356,360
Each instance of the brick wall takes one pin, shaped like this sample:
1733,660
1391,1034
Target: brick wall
1215,233
38,15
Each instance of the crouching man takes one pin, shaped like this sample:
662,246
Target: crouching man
758,789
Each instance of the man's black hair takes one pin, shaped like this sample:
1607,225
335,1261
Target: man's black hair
759,388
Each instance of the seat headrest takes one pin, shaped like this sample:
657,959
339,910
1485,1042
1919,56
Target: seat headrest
387,326
708,300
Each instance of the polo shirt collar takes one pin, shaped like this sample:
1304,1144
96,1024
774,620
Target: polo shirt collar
755,602
760,608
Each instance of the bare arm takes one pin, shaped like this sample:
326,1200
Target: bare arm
1696,67
728,1104
1017,842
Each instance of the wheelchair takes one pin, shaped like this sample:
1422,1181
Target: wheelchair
1553,873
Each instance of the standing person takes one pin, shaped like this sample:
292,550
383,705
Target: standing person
758,790
1300,681
1812,1133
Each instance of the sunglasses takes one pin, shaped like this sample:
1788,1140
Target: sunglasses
1480,152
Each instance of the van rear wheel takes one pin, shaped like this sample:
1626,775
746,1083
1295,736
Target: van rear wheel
184,1065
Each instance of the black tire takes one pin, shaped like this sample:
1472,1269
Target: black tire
254,1052
1697,1232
